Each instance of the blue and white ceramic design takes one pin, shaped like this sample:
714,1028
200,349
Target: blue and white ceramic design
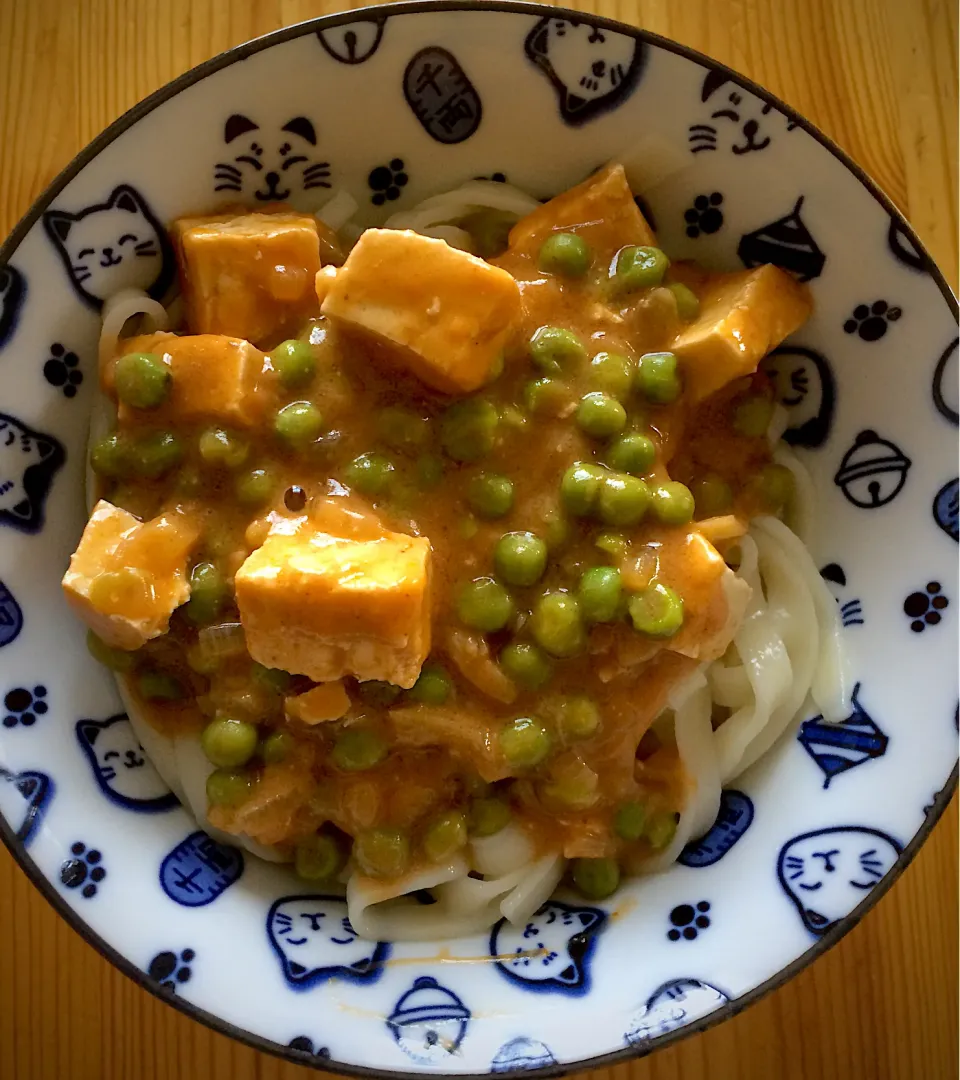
394,104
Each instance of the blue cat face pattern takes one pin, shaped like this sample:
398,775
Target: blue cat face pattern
522,1053
804,386
24,798
827,873
734,817
314,941
12,291
429,1022
11,616
673,1005
29,461
837,748
552,952
199,869
120,767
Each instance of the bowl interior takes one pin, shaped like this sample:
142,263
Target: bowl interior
392,105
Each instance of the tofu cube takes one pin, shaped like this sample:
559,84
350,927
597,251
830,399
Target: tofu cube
127,576
323,703
214,380
325,606
601,210
742,317
248,275
442,313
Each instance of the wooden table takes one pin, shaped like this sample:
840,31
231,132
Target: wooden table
880,77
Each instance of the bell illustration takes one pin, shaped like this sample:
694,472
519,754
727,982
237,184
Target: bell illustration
872,471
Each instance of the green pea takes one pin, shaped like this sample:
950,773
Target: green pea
712,495
294,362
556,530
599,594
357,749
688,306
142,380
318,858
526,665
468,527
383,853
223,449
600,415
403,429
468,429
277,747
553,348
613,544
207,594
513,417
298,423
429,471
632,453
228,787
370,474
776,485
484,604
433,686
640,267
115,659
578,717
445,836
613,373
159,686
566,254
276,680
656,611
156,454
596,879
525,742
623,499
490,495
557,624
546,396
657,378
379,693
630,820
752,416
110,456
254,488
488,816
228,742
672,503
520,558
661,829
580,488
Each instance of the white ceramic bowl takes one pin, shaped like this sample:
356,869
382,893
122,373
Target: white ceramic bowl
393,104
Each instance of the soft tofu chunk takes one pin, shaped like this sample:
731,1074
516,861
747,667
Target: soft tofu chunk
742,317
325,606
127,576
323,703
601,210
442,313
214,380
249,275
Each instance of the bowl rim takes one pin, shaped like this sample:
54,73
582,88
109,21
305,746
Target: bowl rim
522,7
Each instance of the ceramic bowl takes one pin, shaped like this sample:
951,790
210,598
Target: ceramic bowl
393,104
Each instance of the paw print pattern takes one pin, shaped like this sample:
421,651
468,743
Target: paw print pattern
705,216
24,706
923,608
688,921
386,181
62,370
304,1044
169,970
871,321
83,871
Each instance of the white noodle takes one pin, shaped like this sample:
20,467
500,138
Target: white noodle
338,210
120,309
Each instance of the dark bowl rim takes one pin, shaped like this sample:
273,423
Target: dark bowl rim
409,7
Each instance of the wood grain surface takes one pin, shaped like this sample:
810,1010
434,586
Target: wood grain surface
880,77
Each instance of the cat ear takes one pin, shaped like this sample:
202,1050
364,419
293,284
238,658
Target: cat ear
125,198
538,40
574,103
58,224
89,730
301,126
236,126
23,510
45,448
587,918
713,81
569,975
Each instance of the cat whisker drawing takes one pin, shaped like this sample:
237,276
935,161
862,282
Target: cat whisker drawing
702,137
851,613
